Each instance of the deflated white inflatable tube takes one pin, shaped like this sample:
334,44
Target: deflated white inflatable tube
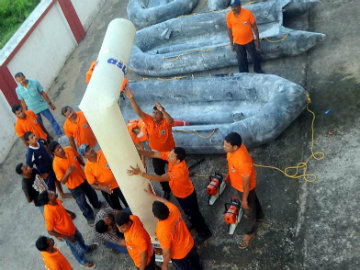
101,109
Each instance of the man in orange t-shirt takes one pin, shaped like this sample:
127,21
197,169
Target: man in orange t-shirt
174,237
243,178
67,167
159,128
77,128
58,222
52,257
28,121
137,240
181,186
241,25
99,175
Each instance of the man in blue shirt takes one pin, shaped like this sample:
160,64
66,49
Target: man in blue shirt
37,154
32,97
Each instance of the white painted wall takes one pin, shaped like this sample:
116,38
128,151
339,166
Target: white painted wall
7,134
42,55
86,10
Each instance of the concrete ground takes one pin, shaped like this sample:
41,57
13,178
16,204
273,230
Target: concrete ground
307,225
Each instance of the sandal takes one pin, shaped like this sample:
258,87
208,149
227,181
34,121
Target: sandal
246,241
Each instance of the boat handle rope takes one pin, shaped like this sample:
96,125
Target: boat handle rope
300,168
175,58
197,133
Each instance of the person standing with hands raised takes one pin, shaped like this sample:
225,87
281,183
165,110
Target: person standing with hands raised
159,128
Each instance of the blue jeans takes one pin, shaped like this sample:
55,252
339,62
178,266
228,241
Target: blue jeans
78,248
79,196
41,209
118,248
52,121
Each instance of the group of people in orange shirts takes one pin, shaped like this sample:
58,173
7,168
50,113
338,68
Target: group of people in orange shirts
65,165
48,165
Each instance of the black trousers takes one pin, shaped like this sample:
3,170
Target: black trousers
159,169
190,262
241,54
114,199
191,209
253,213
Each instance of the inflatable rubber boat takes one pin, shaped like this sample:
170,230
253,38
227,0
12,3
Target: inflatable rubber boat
258,106
148,12
200,42
294,8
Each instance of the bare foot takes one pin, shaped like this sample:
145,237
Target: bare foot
246,240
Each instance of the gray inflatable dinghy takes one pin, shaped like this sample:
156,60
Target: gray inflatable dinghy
200,42
293,9
148,12
258,106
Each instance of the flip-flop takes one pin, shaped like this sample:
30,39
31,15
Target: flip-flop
245,243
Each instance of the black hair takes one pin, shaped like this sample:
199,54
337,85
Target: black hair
18,168
160,210
234,139
19,74
122,218
15,108
27,135
52,146
43,198
100,226
65,109
42,243
180,153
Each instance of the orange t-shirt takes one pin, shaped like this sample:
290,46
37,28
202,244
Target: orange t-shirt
61,165
57,219
241,26
241,165
30,123
160,135
100,172
137,241
55,260
180,182
173,234
81,130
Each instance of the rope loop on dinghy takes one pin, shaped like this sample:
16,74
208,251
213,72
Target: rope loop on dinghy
175,58
196,132
275,41
302,166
